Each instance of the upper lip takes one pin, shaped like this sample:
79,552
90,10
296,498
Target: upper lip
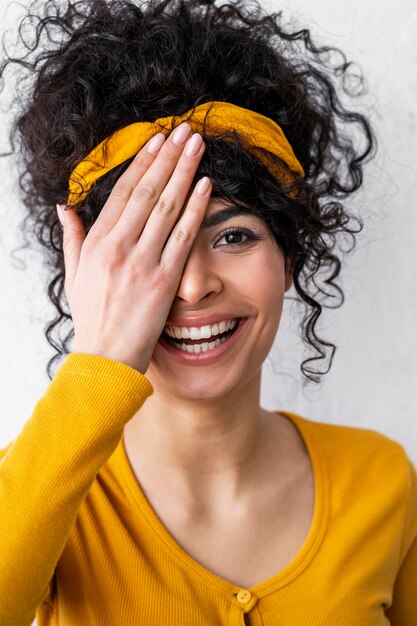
204,320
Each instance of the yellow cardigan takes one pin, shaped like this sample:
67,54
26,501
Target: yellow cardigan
81,546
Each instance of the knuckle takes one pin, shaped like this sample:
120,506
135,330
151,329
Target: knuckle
112,254
145,191
165,206
187,167
122,191
144,159
135,269
70,238
143,270
182,235
171,154
195,207
163,278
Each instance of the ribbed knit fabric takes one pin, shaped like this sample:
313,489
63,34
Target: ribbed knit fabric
81,545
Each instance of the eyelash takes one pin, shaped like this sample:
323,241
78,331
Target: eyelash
238,231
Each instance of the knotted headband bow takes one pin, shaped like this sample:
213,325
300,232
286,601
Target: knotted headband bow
213,117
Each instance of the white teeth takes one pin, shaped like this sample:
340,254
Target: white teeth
194,333
201,347
222,327
202,332
205,332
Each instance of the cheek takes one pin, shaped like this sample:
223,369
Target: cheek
260,281
264,278
268,290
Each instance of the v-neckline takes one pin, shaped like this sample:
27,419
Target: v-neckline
293,569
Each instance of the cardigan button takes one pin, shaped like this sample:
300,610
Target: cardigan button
243,596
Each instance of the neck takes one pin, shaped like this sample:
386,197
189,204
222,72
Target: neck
202,447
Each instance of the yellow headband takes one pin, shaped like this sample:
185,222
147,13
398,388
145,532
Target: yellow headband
258,131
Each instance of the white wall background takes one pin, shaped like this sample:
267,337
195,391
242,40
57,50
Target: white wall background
373,381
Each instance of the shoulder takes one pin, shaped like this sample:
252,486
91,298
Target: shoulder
351,441
359,456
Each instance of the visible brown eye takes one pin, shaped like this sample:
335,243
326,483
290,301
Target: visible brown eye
234,237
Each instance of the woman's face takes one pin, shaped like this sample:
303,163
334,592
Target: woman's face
234,270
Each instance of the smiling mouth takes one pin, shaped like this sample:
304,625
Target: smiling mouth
201,345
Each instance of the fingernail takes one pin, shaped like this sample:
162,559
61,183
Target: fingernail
203,185
156,143
60,212
181,133
194,145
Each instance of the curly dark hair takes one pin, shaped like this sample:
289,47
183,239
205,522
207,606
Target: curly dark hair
91,67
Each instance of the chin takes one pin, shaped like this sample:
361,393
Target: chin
197,394
194,385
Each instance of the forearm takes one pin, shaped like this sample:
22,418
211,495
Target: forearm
49,468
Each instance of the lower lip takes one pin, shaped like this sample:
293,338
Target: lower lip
204,357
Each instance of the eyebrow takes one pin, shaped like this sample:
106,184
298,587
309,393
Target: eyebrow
226,214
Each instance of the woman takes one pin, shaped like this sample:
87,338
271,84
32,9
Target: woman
207,153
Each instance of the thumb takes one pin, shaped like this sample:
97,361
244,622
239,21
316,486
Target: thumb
74,236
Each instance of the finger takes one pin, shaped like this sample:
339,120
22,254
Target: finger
125,185
179,244
145,196
151,222
161,166
73,239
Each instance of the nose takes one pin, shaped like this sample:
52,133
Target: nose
200,278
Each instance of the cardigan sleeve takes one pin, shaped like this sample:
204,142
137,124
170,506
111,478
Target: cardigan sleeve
46,472
403,610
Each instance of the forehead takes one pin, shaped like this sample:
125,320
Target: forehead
219,211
